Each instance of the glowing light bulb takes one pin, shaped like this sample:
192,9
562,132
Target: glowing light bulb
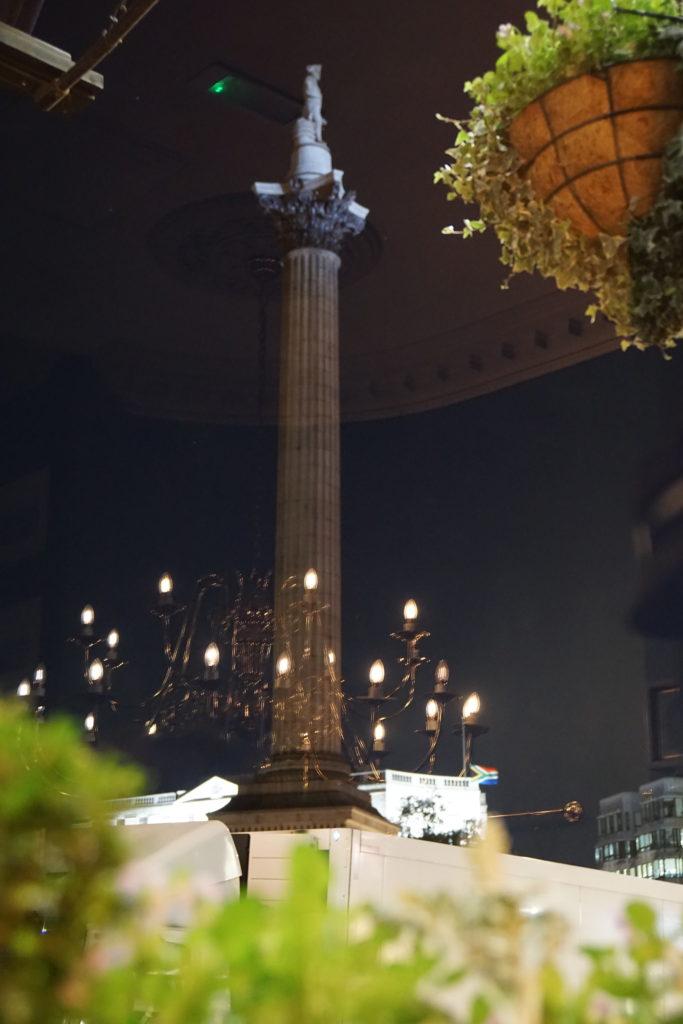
410,611
378,734
151,729
24,688
311,580
212,656
165,584
89,722
39,680
471,706
331,657
432,708
88,615
95,671
442,672
377,672
283,665
113,639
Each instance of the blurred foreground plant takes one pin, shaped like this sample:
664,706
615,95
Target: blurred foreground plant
72,951
56,875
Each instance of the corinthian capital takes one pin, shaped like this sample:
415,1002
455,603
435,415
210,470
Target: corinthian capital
313,218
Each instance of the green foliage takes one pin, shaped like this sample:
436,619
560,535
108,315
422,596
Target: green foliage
578,35
55,875
71,951
294,962
656,252
575,36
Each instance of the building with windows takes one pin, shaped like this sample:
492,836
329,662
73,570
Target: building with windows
641,833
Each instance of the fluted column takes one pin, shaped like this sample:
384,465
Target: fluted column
308,627
313,219
306,782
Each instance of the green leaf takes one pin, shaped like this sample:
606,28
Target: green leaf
479,1009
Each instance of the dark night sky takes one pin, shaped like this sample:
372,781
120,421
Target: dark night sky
508,518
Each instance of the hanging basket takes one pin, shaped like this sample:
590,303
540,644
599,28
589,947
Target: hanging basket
594,144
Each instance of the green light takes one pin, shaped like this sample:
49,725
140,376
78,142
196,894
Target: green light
238,89
221,85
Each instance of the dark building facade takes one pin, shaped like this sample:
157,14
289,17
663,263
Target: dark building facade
642,833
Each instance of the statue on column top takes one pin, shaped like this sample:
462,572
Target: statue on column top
310,208
311,158
313,101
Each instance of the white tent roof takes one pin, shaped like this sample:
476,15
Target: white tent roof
203,851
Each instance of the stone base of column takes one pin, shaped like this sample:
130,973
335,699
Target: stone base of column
282,798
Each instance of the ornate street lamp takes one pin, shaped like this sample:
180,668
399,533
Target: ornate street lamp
403,696
33,692
217,650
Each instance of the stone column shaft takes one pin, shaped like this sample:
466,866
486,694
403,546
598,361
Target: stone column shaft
306,700
313,217
307,782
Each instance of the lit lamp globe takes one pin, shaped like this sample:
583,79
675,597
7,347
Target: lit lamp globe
431,715
378,737
166,591
376,676
24,688
87,621
90,727
311,580
112,645
283,665
441,675
212,657
409,614
471,707
39,680
470,710
96,674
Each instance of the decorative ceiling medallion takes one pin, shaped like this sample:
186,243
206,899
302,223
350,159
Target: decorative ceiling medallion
214,245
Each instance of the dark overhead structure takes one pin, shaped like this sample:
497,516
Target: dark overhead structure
131,239
28,66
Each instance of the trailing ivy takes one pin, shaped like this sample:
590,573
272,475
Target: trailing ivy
656,253
575,37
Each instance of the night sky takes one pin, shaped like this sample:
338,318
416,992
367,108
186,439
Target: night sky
508,519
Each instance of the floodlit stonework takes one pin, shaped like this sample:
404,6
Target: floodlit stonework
307,780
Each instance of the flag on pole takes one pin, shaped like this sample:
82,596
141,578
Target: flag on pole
484,775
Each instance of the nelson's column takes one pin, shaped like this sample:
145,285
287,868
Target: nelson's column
306,782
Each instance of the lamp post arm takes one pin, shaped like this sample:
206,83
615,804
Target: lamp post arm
408,681
572,812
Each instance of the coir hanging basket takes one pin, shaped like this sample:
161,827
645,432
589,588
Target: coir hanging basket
594,144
